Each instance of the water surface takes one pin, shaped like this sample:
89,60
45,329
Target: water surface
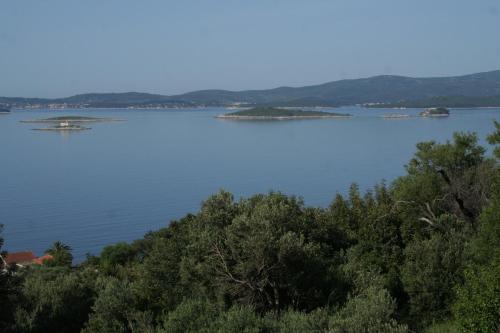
122,179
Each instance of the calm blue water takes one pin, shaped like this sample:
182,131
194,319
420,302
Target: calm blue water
120,180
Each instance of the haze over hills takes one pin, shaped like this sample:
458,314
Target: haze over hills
480,89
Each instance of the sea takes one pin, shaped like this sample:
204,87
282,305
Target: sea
119,180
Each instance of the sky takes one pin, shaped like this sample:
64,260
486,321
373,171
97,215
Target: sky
60,48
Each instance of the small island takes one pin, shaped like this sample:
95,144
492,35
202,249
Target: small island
435,112
70,119
67,123
271,113
63,126
396,116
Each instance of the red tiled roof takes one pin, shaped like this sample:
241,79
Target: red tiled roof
41,259
19,257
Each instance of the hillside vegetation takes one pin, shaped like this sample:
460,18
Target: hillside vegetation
420,254
480,89
445,101
270,112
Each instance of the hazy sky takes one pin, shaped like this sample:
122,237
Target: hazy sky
59,48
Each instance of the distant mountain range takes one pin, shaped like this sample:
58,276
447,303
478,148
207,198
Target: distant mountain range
480,89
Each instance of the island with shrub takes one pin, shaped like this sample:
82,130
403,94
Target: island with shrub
435,112
67,123
273,113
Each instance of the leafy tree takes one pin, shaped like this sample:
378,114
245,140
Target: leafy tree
340,214
484,247
477,308
141,322
444,327
494,139
61,254
202,231
191,316
453,178
431,269
371,311
264,259
218,210
379,244
116,255
8,300
478,305
53,299
242,319
114,307
9,290
298,322
157,280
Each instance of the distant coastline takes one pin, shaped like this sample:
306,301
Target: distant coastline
466,91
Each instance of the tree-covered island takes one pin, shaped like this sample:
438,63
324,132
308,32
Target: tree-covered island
272,113
435,112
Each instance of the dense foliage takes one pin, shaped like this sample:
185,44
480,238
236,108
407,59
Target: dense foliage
267,112
419,255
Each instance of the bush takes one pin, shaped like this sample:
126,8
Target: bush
115,255
239,319
431,270
53,300
298,322
191,316
478,301
369,312
112,308
446,327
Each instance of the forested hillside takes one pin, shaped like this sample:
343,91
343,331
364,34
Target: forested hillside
382,88
481,89
445,101
418,255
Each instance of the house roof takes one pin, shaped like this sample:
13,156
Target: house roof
19,257
41,259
